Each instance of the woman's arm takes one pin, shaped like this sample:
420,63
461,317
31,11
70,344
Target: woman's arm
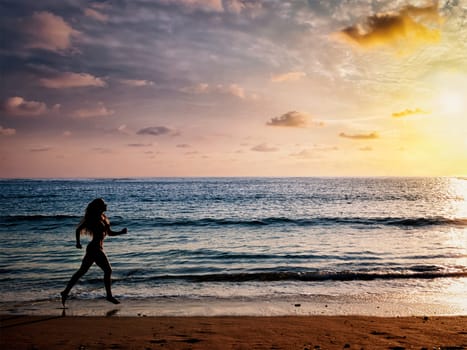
117,233
78,234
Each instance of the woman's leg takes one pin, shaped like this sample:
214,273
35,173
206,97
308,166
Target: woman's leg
85,265
103,263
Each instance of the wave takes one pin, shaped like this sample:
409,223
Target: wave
310,276
251,222
36,217
37,222
304,222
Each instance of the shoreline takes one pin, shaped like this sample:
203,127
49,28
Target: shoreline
234,332
236,307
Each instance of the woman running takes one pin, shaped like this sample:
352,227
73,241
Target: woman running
97,225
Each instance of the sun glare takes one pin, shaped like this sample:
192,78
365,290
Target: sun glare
452,102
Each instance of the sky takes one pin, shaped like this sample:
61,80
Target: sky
149,88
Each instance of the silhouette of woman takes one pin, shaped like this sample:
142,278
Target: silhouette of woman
97,225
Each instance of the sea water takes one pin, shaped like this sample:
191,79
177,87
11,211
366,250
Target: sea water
253,246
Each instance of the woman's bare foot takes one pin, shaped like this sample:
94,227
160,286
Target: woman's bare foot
64,296
113,300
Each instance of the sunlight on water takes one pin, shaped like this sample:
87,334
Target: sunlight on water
458,236
458,188
456,289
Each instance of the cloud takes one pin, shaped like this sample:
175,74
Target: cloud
123,130
19,107
305,153
264,147
40,149
136,82
100,5
158,131
183,145
291,76
200,88
293,119
232,90
7,131
231,6
207,5
366,149
315,151
238,6
47,31
72,80
98,16
99,111
191,153
403,28
138,145
369,136
408,112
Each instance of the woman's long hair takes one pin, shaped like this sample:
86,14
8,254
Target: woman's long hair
94,218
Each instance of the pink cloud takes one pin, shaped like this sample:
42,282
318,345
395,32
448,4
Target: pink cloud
19,107
200,88
49,32
212,5
136,82
235,90
71,80
264,147
89,12
232,90
7,131
99,111
290,76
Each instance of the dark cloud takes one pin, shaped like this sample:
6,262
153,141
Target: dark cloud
158,131
369,136
40,149
264,147
139,145
290,119
410,25
293,119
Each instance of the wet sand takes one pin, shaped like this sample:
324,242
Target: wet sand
289,332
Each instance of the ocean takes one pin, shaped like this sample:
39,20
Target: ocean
240,246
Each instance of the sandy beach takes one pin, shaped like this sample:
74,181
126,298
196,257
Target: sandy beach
290,332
